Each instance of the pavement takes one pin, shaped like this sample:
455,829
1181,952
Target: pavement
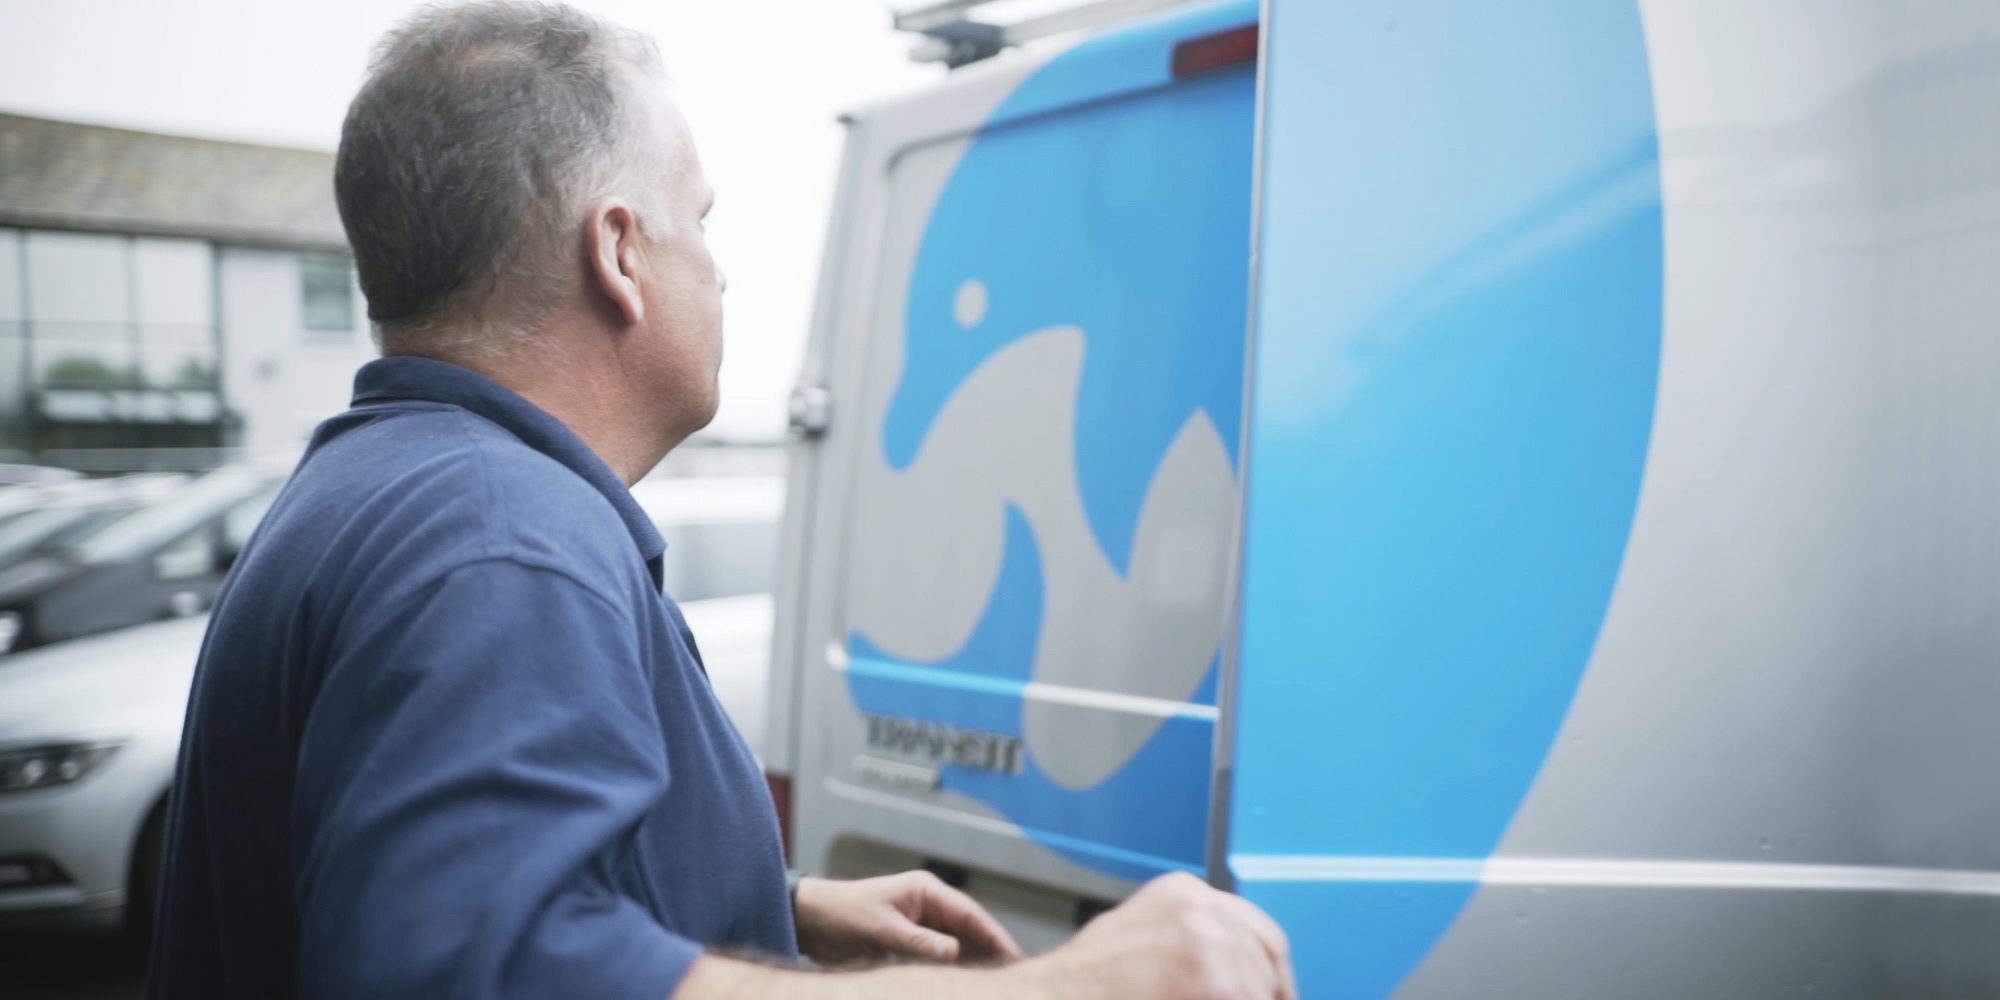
100,966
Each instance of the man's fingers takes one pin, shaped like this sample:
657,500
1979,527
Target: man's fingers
929,944
1270,935
956,913
1260,976
1258,922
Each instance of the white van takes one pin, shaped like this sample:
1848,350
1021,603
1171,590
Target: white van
1509,488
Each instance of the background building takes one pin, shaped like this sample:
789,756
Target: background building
172,295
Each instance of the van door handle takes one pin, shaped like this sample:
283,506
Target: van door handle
808,411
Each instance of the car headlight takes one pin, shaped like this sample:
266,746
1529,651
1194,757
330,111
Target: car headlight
11,627
49,764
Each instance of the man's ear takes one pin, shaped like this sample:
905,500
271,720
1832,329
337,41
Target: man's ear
612,255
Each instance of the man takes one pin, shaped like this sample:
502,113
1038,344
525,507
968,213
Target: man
447,737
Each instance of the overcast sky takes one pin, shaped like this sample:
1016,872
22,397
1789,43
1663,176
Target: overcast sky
760,80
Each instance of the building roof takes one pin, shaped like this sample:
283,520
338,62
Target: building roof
63,175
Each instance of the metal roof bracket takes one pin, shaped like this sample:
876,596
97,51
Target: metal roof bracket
953,37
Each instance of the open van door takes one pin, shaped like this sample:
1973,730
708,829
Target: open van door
1456,335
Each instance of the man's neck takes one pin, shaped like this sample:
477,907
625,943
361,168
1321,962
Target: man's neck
597,419
594,404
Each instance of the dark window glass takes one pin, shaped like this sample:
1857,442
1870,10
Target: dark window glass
326,293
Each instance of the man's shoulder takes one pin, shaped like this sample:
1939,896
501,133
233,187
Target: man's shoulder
441,485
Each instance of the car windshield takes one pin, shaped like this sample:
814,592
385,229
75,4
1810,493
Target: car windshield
51,529
140,531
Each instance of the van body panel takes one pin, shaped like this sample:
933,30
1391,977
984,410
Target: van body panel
1606,523
1618,604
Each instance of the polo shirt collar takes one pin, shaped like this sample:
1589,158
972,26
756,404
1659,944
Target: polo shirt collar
442,382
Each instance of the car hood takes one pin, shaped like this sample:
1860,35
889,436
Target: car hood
135,681
121,684
31,576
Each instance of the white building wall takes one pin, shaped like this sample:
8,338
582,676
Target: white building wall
281,378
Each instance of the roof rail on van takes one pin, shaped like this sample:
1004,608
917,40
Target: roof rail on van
954,37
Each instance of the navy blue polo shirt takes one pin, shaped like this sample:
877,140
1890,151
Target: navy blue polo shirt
449,739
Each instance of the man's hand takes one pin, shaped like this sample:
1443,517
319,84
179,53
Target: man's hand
909,916
1175,939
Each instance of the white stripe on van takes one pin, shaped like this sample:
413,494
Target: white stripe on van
1554,872
1130,703
1063,694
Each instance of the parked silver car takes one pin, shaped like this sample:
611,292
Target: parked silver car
165,557
90,728
88,735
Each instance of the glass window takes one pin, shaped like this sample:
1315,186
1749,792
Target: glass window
10,275
174,283
326,293
108,312
79,308
93,358
78,278
177,358
13,341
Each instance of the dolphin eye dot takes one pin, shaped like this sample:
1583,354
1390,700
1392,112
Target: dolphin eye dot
969,305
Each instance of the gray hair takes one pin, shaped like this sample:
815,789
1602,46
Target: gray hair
466,160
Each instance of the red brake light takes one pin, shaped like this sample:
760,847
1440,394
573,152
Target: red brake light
1223,48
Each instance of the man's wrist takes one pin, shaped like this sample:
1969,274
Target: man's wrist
715,978
804,918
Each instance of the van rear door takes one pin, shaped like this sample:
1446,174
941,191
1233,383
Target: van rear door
1026,496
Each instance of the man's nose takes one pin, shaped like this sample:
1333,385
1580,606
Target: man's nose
721,279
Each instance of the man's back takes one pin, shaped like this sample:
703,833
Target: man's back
447,738
434,722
